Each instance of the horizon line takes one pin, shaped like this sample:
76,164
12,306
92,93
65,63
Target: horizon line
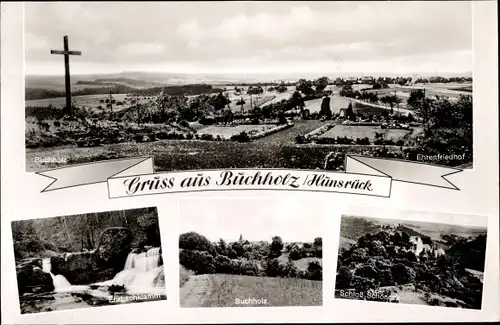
366,74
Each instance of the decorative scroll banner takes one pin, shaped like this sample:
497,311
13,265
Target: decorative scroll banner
362,176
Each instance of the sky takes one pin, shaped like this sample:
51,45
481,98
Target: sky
251,37
254,219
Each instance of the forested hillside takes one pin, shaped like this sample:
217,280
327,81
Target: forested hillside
46,236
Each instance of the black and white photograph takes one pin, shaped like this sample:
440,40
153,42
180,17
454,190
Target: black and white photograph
88,260
411,262
210,85
270,258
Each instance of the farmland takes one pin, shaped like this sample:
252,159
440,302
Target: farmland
193,130
222,290
362,131
91,102
228,131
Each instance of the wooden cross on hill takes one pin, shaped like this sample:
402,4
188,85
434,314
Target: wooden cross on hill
66,52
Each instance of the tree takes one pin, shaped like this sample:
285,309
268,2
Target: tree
325,108
194,241
201,262
321,83
221,247
415,99
281,118
349,112
318,242
219,101
343,278
305,87
228,116
255,90
276,247
281,88
315,271
297,101
347,91
318,247
296,253
273,268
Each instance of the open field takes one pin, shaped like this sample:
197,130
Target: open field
228,131
434,230
304,262
221,290
336,104
362,131
86,101
257,100
287,136
280,96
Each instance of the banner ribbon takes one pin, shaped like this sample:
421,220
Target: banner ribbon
362,176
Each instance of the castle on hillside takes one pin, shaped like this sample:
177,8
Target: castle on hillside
420,248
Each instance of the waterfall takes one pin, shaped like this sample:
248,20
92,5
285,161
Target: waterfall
140,271
59,281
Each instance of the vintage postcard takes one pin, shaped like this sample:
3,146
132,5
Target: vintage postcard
178,162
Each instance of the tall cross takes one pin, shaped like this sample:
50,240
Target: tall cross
66,52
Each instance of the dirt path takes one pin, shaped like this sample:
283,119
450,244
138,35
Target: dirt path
195,291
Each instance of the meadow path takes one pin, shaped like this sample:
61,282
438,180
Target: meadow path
195,291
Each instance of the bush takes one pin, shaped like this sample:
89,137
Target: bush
296,253
273,268
183,123
402,274
363,141
315,271
207,137
359,255
241,137
367,271
300,139
290,270
223,264
201,262
343,279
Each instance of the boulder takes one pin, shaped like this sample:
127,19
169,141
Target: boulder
31,279
114,246
81,268
97,265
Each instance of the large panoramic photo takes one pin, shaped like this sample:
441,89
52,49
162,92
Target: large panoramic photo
248,84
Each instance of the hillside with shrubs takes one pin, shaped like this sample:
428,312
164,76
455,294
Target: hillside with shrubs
383,259
272,258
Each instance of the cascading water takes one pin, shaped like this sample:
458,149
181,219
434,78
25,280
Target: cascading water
140,271
59,281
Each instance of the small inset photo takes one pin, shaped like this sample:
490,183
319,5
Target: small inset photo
88,260
248,256
411,262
